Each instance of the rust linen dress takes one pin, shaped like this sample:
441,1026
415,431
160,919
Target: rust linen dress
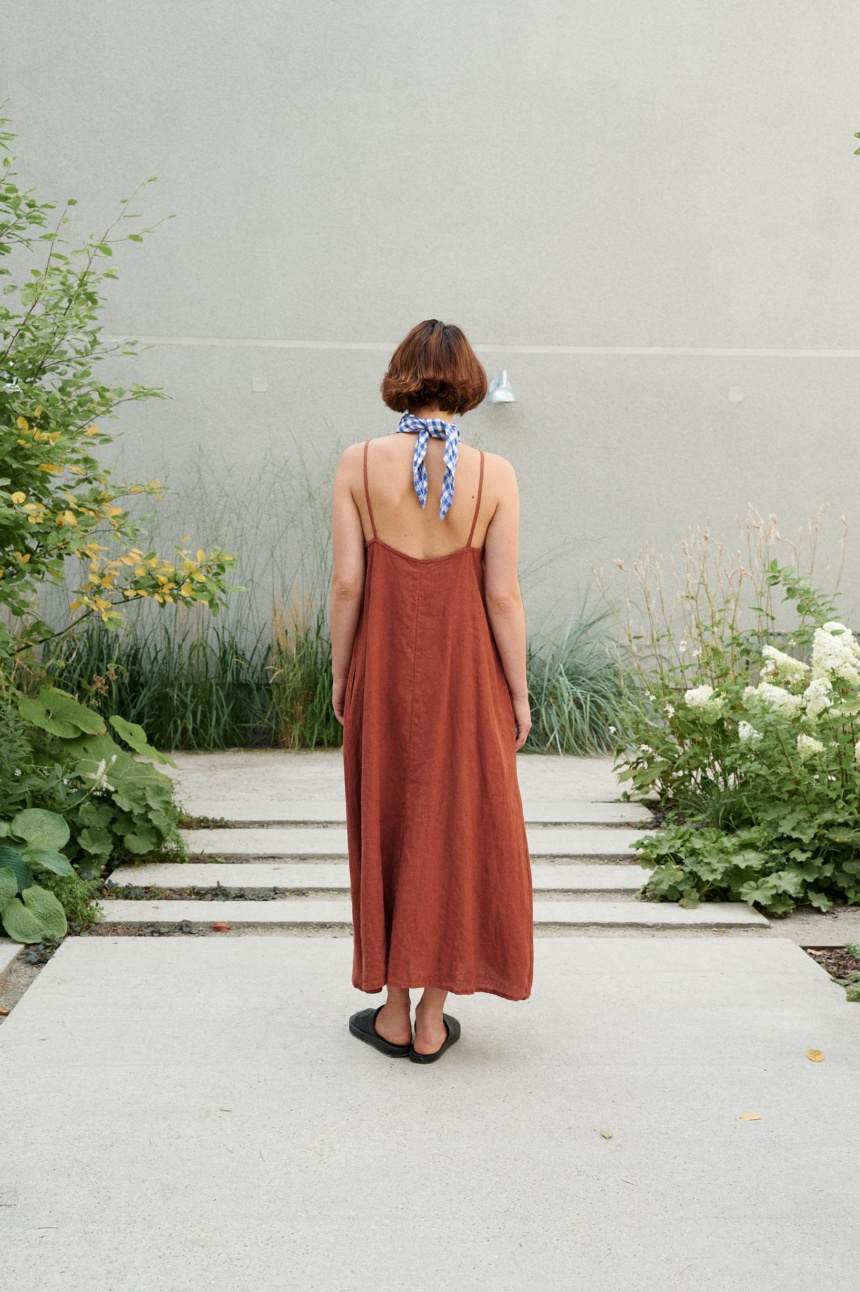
440,875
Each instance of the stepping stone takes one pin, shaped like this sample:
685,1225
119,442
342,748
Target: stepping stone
279,811
274,785
330,842
335,876
8,952
296,912
649,914
285,912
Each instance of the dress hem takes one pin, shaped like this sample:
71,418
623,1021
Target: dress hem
439,986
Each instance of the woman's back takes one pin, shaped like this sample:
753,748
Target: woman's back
398,517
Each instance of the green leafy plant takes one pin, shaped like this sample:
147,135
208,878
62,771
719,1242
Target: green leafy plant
768,777
575,689
32,841
112,802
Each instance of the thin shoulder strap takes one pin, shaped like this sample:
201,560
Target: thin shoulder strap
478,503
367,491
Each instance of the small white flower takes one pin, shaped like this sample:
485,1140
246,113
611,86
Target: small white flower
775,697
707,704
612,731
645,749
836,653
817,696
99,776
747,732
17,771
787,665
670,709
808,745
682,646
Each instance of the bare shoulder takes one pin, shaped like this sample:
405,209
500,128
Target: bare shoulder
350,461
500,473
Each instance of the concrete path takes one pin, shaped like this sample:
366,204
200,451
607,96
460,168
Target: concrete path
330,841
296,876
272,786
191,1114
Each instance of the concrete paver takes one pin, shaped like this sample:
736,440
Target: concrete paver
207,1124
298,912
272,785
335,875
8,952
331,841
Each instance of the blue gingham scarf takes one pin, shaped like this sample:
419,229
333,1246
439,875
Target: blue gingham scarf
440,430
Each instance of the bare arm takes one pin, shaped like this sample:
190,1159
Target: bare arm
347,584
504,601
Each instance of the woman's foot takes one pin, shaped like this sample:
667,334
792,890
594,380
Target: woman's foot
393,1023
430,1029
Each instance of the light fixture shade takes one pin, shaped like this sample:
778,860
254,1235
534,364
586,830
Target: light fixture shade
499,390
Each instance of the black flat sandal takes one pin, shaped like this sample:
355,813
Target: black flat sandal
362,1026
453,1027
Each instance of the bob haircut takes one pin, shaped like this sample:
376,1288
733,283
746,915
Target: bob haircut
434,365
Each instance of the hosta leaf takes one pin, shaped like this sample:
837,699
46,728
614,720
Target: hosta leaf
8,885
20,923
41,829
134,735
60,714
11,858
53,861
47,910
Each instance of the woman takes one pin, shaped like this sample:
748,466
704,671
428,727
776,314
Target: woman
429,667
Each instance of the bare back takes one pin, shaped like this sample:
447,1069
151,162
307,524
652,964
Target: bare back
398,517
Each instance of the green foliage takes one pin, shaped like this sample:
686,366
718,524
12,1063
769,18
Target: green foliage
85,793
764,781
751,751
301,713
575,690
76,895
30,912
187,689
57,501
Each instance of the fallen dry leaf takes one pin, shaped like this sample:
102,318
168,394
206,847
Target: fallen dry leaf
4,1010
816,1056
221,927
606,1134
750,1117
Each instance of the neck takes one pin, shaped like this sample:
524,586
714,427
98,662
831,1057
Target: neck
430,414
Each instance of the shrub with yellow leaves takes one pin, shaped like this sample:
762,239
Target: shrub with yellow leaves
57,501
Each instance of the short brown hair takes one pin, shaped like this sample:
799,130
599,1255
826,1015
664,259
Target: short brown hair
434,365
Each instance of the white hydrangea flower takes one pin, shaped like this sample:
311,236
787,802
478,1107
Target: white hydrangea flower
836,653
746,732
808,745
708,705
817,696
784,665
775,697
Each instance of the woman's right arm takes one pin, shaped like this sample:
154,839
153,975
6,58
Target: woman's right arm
502,593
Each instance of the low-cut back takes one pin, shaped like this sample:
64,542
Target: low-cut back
440,877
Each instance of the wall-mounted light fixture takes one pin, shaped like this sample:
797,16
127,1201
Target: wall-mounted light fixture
499,390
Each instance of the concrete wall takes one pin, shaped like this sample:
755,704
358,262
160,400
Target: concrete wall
647,212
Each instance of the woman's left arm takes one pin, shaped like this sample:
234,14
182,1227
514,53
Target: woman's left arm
347,583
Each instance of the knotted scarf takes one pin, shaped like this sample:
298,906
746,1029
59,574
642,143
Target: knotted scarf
447,431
